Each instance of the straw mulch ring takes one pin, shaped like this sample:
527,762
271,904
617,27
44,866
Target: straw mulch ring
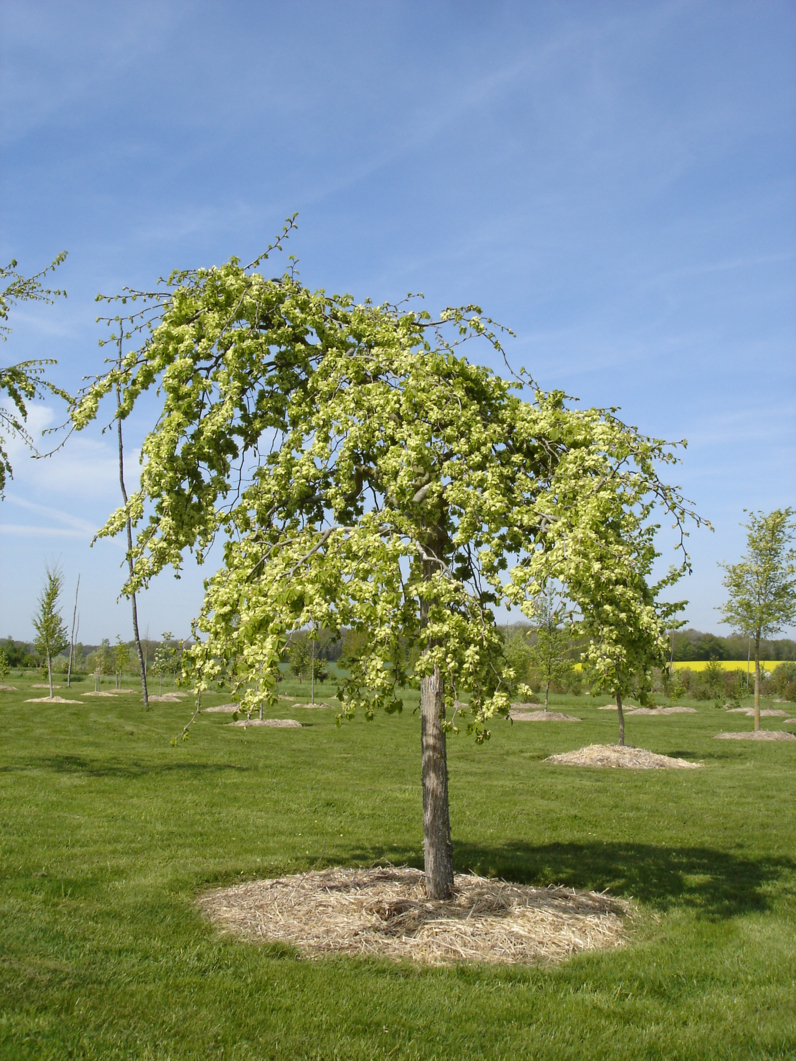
767,712
274,723
384,913
44,685
318,704
8,688
223,709
614,756
167,698
104,692
759,734
51,700
661,711
517,715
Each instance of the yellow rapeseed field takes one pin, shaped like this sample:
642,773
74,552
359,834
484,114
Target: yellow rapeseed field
728,664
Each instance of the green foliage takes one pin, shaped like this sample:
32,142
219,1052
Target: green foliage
4,665
549,655
24,381
517,654
299,656
784,675
394,482
761,588
121,656
52,636
168,657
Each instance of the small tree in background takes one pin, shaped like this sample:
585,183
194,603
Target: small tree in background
299,656
168,657
121,659
621,615
549,656
761,588
517,654
4,668
51,632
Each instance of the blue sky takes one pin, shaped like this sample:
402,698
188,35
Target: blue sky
613,181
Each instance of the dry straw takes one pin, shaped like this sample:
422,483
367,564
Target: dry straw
272,723
518,715
384,912
51,700
627,757
760,734
767,712
661,711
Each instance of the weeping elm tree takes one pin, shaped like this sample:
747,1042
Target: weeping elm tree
363,475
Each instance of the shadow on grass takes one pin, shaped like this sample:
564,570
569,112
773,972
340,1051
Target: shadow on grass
76,764
718,883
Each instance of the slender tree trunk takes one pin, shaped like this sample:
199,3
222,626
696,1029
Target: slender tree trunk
546,694
141,660
621,714
72,638
312,664
50,672
437,844
757,681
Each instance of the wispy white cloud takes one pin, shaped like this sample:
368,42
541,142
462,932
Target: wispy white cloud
29,531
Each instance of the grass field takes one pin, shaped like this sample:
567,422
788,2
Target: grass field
109,833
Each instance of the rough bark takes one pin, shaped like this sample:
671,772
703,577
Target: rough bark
621,715
437,844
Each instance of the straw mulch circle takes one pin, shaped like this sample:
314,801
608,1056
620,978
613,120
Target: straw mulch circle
167,698
541,716
760,734
614,756
273,723
51,700
767,712
661,711
384,912
313,706
8,688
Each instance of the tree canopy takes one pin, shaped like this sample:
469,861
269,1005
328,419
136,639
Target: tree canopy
362,473
761,587
24,381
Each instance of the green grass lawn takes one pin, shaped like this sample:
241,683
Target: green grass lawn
108,833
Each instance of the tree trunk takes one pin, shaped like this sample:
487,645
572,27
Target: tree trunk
437,845
312,664
621,714
50,673
72,639
141,661
546,695
757,681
